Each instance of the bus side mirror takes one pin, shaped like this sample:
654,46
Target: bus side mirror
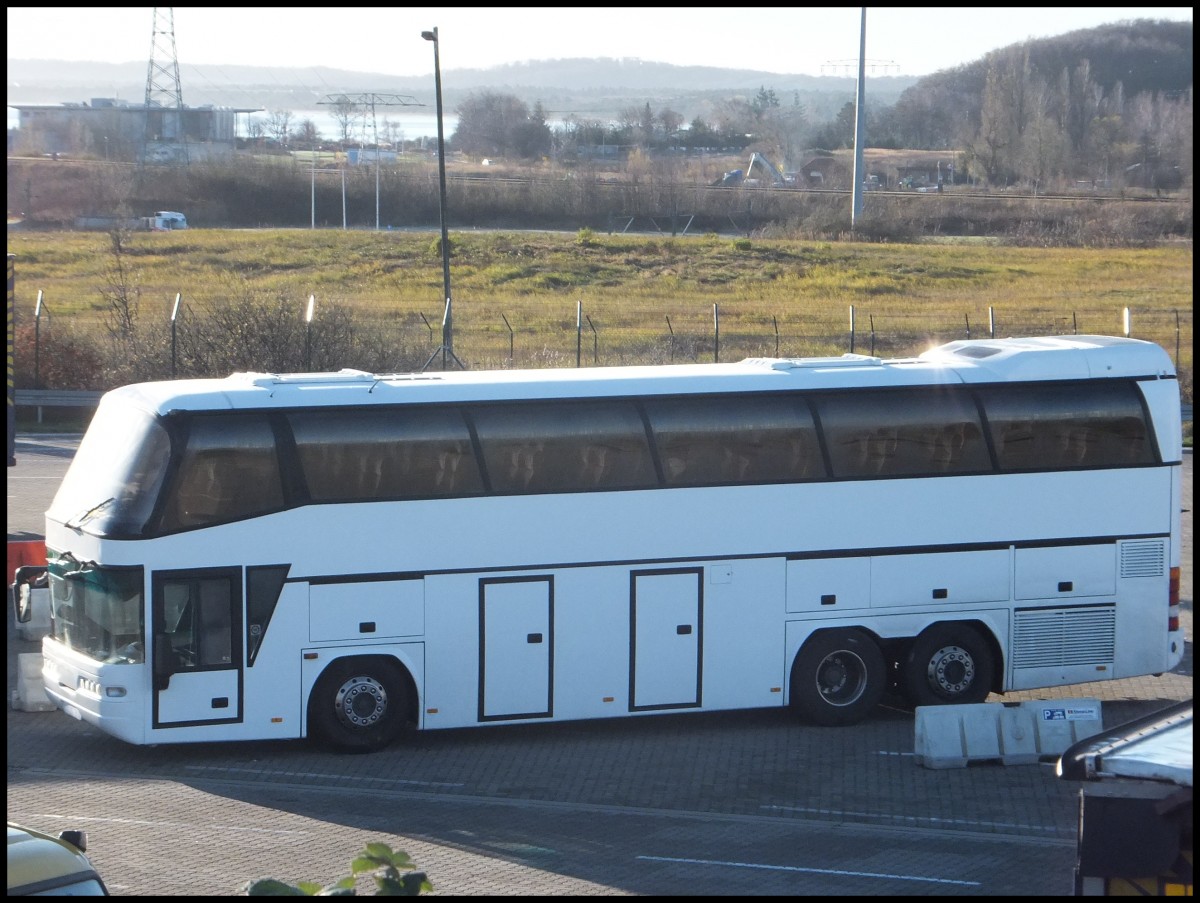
25,580
164,662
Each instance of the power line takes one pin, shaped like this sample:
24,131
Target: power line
850,67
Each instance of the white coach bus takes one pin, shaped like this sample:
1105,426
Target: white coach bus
347,555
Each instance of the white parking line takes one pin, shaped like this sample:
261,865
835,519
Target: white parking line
797,868
154,823
339,777
929,820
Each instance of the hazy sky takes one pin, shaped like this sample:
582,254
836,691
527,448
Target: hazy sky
908,41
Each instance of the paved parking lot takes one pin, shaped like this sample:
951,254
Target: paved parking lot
728,803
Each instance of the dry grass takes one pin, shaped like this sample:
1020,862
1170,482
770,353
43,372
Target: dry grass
643,298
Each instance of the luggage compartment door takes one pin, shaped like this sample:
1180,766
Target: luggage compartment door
666,635
516,648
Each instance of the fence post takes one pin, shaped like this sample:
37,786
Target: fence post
967,317
174,318
37,346
851,328
775,323
595,343
578,332
510,339
672,332
992,321
308,317
871,322
1127,324
716,335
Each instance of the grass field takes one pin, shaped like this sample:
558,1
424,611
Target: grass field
539,299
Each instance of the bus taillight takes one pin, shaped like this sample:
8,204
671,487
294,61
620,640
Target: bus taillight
1173,601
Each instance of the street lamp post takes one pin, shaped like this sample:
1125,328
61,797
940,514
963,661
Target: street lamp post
447,348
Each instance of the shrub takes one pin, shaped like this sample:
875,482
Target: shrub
377,859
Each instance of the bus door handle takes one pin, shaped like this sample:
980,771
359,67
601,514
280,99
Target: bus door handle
533,638
684,629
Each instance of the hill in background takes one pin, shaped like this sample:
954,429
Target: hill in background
599,87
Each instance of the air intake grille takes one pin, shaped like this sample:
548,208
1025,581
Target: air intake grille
1047,638
1143,559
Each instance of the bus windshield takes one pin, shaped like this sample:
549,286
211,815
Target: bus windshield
115,477
97,611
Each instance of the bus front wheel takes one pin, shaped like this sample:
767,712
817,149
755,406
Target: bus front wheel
359,704
838,677
948,664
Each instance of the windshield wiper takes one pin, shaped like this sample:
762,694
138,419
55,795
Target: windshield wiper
83,517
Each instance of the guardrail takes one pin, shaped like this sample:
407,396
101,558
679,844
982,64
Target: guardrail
84,398
55,398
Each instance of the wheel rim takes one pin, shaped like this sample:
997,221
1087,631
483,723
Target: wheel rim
841,678
361,702
951,670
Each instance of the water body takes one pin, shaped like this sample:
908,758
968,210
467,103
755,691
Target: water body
411,123
409,126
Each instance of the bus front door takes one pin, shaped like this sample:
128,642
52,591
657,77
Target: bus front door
196,632
666,624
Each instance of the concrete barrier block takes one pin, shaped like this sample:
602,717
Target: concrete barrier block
1060,723
30,695
1018,735
940,740
1023,733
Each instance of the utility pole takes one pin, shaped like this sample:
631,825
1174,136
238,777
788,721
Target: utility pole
860,132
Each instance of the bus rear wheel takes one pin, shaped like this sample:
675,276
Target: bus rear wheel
359,704
838,677
948,664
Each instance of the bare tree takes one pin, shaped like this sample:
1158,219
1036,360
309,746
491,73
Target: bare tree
344,110
393,134
279,124
307,133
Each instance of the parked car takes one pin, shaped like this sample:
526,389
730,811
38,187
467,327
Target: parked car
43,865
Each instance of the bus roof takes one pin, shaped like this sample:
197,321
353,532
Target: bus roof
970,361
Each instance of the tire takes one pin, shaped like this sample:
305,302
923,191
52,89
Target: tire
359,704
838,677
948,664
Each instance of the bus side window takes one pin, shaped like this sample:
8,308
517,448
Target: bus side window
1125,442
524,462
194,500
1073,446
1016,447
881,447
957,448
250,485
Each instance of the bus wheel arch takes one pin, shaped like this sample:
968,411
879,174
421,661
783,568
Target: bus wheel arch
838,677
362,703
950,663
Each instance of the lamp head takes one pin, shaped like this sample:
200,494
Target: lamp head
429,35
